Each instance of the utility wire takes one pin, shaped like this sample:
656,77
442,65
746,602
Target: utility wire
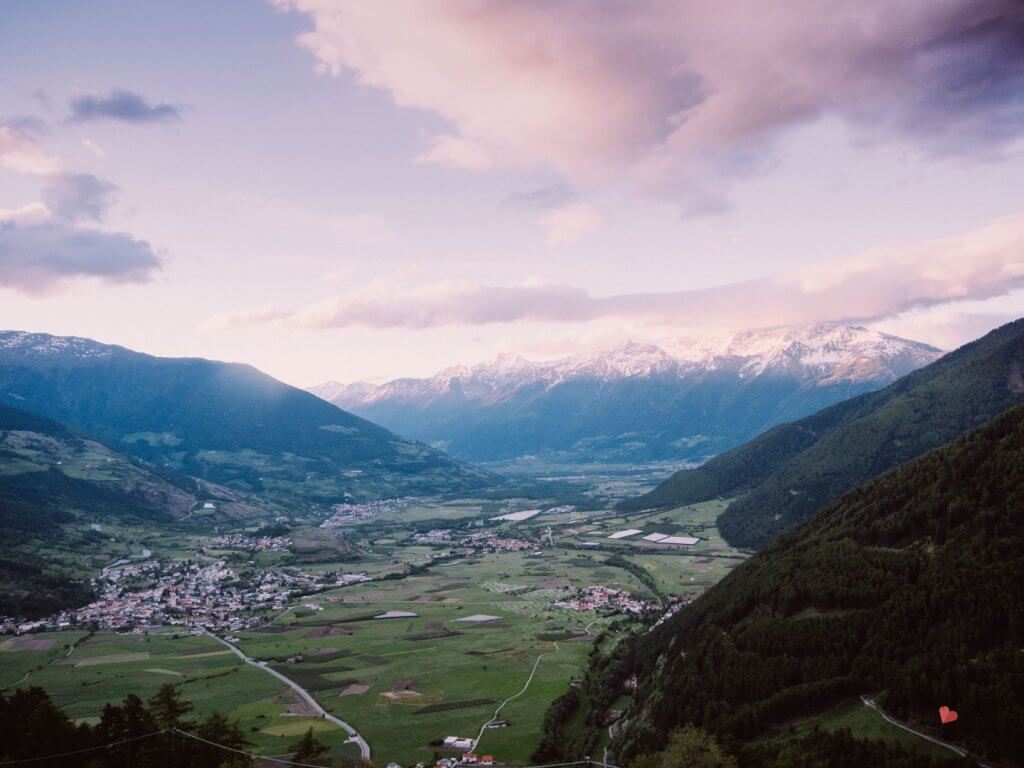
236,751
87,749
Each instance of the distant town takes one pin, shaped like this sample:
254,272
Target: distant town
133,597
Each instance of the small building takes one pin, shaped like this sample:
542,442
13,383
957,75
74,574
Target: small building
487,760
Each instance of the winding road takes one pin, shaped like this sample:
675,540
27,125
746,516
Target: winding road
353,734
869,702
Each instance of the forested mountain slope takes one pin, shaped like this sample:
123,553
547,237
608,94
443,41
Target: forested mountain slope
225,422
791,471
909,588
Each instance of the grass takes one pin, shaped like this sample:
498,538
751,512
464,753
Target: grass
457,673
456,681
864,723
107,667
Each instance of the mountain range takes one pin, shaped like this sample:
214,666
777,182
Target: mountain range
788,473
689,399
222,422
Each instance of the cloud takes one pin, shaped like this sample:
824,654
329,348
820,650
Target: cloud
37,257
20,151
870,286
268,314
78,196
676,97
571,223
97,150
33,213
124,105
456,152
540,198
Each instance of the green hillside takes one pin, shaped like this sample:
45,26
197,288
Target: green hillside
52,477
791,471
224,422
909,589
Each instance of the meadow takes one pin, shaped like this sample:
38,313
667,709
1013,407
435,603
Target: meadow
105,668
406,682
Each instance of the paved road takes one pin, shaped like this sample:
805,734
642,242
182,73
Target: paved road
516,696
352,732
868,701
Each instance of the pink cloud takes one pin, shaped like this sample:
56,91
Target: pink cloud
20,152
876,284
571,223
674,96
457,152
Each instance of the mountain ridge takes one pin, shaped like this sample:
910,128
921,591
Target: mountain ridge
226,422
786,474
636,401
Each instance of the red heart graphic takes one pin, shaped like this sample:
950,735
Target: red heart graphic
947,715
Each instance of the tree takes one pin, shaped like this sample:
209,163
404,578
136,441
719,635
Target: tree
693,747
167,707
218,730
168,710
309,750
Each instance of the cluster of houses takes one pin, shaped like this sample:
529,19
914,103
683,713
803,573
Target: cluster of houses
240,541
469,758
604,599
138,596
343,514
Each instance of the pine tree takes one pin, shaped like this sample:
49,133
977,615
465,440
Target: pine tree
309,750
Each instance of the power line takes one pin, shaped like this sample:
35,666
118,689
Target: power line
236,751
87,749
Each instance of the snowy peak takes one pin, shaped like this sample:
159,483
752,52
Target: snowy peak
629,359
43,344
824,353
832,351
330,390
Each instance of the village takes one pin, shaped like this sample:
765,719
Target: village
246,543
343,514
135,597
606,600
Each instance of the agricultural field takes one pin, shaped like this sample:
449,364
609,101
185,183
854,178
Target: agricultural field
105,668
463,638
470,636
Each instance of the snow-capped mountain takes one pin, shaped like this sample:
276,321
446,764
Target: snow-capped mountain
685,399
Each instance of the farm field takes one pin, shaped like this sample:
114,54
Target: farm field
107,667
408,681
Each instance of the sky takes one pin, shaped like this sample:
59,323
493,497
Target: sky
360,191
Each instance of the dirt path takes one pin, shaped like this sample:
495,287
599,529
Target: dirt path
501,706
54,660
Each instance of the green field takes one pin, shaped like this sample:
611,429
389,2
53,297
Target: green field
106,667
864,723
405,682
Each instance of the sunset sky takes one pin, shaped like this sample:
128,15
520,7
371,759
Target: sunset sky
363,190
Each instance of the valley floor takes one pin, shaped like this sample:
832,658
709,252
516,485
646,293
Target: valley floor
479,640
